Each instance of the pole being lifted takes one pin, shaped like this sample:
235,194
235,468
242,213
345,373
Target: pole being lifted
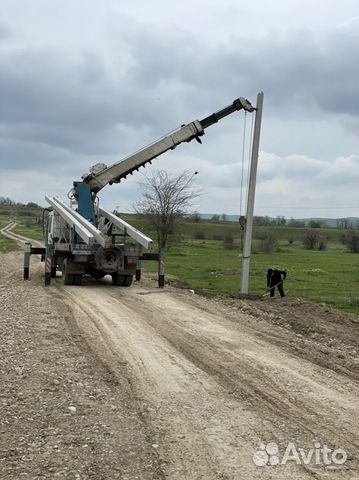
246,254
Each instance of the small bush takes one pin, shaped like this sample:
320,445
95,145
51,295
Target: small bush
290,241
322,245
218,236
200,235
228,242
268,242
352,241
310,240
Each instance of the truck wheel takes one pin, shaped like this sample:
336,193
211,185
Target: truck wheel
77,279
118,279
53,272
67,278
128,280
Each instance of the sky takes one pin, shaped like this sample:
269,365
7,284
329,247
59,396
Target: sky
93,81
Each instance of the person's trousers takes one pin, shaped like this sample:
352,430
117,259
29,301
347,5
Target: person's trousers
280,289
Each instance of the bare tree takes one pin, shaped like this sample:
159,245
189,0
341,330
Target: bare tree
166,199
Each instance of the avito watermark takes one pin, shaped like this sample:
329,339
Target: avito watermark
269,455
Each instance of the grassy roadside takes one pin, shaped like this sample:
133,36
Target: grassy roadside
6,245
27,227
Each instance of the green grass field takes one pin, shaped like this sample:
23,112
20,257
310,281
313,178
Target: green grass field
28,228
6,245
26,225
329,276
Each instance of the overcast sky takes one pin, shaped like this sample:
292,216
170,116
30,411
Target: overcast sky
88,81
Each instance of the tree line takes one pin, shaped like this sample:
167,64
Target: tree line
279,221
8,202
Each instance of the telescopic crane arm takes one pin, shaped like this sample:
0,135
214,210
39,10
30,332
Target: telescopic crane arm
116,172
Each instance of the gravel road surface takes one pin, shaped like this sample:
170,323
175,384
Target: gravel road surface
103,382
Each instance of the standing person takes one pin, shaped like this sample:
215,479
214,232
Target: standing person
275,279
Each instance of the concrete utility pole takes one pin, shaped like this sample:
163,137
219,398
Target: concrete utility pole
246,255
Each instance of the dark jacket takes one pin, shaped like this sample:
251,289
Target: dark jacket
275,276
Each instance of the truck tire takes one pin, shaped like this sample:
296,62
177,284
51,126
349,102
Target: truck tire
128,280
67,278
77,279
118,279
97,274
53,270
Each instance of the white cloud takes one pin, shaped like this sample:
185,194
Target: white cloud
82,83
293,186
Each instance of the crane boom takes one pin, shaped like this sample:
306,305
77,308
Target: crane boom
83,239
195,129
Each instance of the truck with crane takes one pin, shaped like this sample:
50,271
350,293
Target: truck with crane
79,238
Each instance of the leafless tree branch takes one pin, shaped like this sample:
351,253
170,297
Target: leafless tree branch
165,200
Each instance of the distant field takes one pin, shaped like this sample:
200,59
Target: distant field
6,245
5,220
26,225
283,233
329,276
231,228
26,221
29,228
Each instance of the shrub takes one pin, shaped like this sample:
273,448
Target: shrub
268,242
315,224
218,236
322,244
228,242
195,217
352,241
200,235
310,240
342,239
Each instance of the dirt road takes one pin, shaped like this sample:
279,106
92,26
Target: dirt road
203,384
19,239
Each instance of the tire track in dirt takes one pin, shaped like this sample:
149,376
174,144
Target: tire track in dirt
218,387
240,362
209,388
19,239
